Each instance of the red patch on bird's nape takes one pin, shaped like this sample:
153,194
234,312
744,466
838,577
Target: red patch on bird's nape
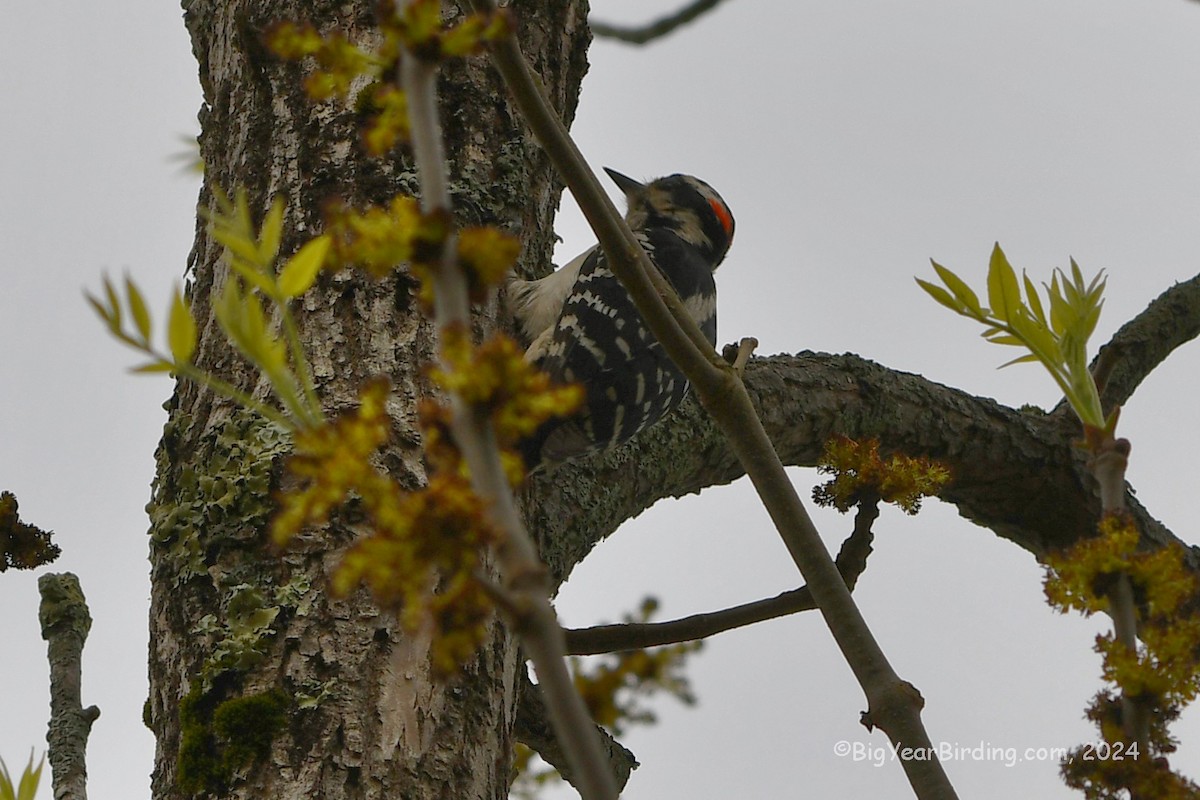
723,215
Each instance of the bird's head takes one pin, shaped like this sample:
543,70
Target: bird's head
684,204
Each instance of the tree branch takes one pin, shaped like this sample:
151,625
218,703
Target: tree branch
1014,472
65,621
522,569
893,704
1171,319
532,730
1108,463
851,561
641,34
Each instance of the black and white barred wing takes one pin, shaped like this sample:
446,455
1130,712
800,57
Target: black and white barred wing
601,341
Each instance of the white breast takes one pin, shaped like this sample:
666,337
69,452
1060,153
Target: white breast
537,304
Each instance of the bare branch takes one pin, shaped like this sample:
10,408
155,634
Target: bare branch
1108,463
532,730
893,704
65,622
1171,319
739,354
636,635
641,34
524,575
851,561
1014,472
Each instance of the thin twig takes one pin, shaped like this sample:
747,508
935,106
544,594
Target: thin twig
312,403
852,558
1169,321
893,704
617,637
531,729
641,34
745,350
65,622
1109,466
525,577
851,561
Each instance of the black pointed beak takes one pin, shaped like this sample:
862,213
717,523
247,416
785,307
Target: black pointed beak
625,183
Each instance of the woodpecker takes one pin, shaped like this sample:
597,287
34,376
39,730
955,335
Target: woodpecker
584,328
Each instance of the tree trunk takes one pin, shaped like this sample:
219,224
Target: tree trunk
362,716
327,697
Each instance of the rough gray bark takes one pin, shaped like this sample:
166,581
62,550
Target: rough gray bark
1014,471
231,619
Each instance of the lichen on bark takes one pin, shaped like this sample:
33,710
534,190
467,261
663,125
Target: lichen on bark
374,722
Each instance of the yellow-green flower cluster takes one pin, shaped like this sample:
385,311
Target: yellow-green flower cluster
339,61
1163,673
388,123
333,461
1115,769
495,377
380,238
422,557
377,239
22,546
424,548
1169,665
611,689
420,29
486,254
860,473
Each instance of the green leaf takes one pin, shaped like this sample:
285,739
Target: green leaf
301,269
1004,293
942,296
271,233
241,211
181,330
253,318
1085,402
105,314
137,308
1025,359
229,311
224,204
153,367
1087,324
264,282
114,305
238,244
30,779
1035,302
1058,306
28,785
1077,276
1071,293
242,317
959,287
1095,289
1038,338
6,787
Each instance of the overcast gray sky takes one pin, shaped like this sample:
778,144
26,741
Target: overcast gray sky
853,141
